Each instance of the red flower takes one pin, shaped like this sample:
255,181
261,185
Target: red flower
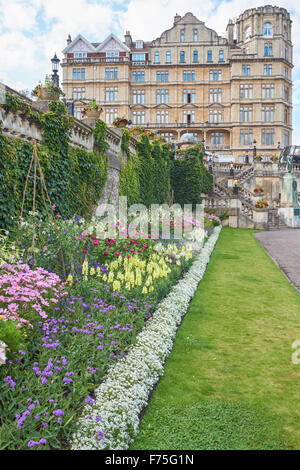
105,253
85,251
96,242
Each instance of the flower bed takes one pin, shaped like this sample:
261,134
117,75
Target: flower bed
61,331
111,419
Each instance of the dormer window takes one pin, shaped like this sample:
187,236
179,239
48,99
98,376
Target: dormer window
139,45
112,56
80,55
195,34
182,35
268,30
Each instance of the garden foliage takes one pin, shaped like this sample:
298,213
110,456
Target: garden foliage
190,177
74,177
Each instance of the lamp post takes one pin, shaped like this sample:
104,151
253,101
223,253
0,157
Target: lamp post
278,146
231,170
203,144
254,148
55,67
247,158
235,187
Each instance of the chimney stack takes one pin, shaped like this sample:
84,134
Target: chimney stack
230,32
128,39
176,18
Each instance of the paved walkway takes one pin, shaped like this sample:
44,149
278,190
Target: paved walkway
284,248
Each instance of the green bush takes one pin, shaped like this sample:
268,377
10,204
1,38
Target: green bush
11,335
190,177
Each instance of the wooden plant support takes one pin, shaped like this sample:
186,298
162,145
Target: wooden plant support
35,162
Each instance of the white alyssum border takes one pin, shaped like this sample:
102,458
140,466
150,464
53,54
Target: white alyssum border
125,391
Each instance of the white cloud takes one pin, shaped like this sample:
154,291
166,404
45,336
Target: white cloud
31,31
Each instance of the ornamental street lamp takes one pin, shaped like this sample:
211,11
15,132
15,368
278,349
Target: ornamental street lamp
254,148
231,170
278,146
235,187
203,144
247,157
55,67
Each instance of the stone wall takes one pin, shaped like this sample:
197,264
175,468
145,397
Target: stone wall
16,124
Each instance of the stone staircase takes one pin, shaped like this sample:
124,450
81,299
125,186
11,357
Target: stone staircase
274,222
243,204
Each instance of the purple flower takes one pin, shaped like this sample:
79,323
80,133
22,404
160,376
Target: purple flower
89,400
58,413
67,381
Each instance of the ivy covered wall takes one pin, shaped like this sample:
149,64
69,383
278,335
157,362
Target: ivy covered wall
190,177
74,177
145,177
151,175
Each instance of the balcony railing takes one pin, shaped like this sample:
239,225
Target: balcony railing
95,60
192,125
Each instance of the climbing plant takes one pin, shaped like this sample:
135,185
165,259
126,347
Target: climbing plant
100,142
74,177
129,176
161,172
190,177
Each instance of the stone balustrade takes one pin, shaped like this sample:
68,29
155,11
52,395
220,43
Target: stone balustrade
17,124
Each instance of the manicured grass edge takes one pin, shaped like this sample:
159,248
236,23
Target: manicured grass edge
112,420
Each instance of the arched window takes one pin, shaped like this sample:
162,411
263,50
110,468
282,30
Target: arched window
248,33
268,29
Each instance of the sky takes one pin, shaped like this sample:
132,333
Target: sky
31,31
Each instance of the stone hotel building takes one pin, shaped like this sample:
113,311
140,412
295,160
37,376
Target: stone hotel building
234,92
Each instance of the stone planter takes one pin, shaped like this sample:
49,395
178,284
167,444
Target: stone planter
46,94
121,125
92,114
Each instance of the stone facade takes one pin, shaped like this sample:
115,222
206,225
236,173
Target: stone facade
230,91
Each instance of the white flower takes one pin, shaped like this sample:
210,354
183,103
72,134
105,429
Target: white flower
3,346
125,391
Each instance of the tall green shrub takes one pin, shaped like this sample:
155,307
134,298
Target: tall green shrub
190,177
129,176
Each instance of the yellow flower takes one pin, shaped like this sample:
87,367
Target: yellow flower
104,278
92,271
145,290
85,267
70,279
116,285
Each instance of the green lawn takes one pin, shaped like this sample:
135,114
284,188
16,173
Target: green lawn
229,382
